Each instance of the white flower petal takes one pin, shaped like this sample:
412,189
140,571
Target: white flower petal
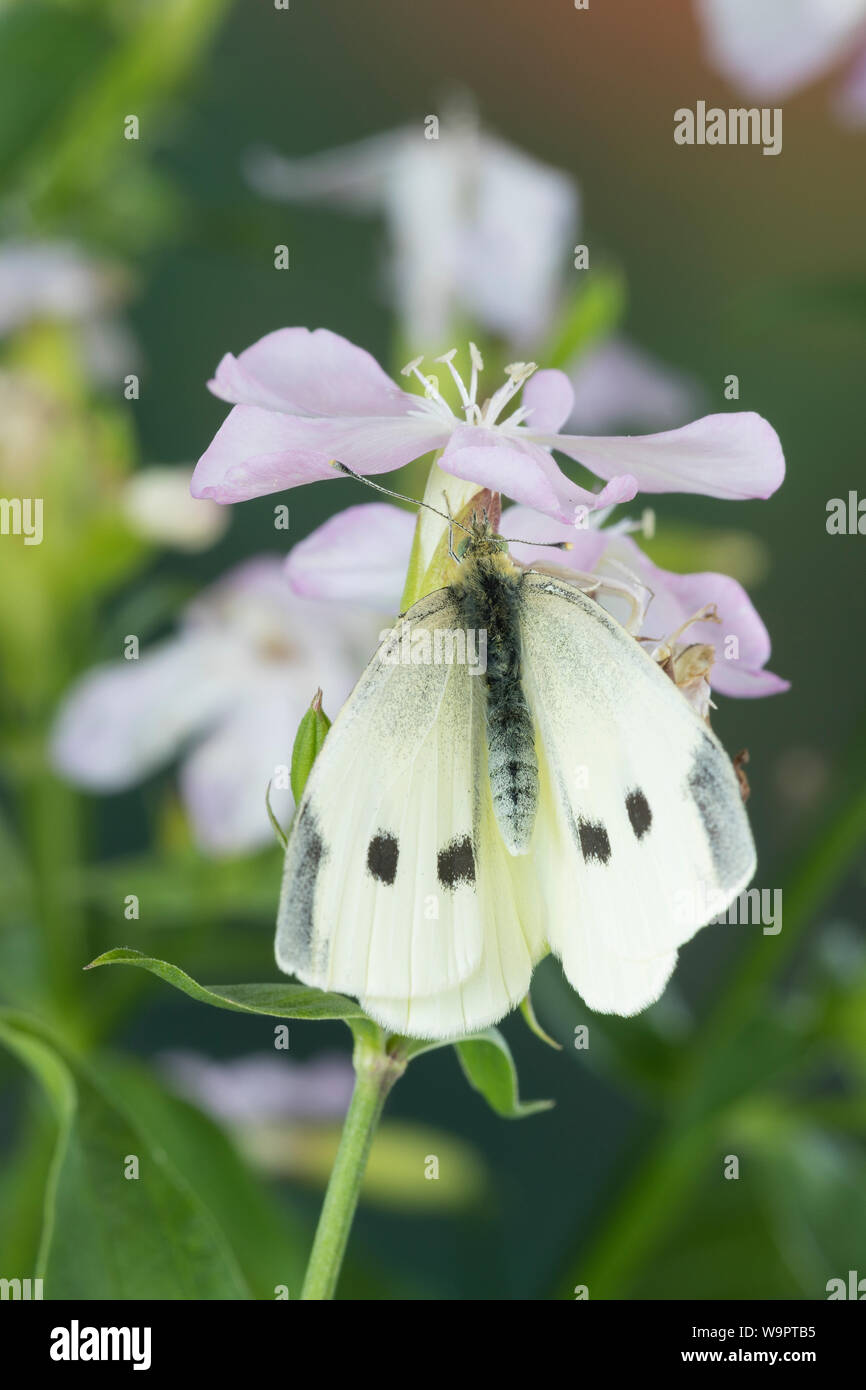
359,556
769,48
121,722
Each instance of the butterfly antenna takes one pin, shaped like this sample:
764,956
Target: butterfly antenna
401,496
549,545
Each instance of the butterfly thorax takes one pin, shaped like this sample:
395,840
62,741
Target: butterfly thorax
488,591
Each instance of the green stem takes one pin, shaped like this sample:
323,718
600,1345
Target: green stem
376,1070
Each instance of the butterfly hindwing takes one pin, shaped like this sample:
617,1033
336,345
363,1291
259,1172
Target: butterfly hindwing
641,834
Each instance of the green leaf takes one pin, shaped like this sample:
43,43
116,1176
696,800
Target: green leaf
66,48
812,1184
81,149
106,1236
275,1001
312,732
593,313
268,1239
489,1067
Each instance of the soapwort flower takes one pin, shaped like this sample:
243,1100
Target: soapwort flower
772,49
476,228
225,693
302,400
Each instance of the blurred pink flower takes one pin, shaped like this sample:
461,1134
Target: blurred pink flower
263,1087
302,399
60,282
226,694
479,232
477,228
770,48
618,385
362,534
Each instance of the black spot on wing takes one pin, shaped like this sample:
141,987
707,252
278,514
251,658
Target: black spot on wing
455,863
639,813
382,855
594,841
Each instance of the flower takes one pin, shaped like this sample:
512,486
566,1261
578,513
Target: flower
740,641
262,1087
618,384
479,232
58,281
773,48
227,693
158,506
477,228
302,399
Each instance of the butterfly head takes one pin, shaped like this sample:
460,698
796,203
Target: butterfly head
481,540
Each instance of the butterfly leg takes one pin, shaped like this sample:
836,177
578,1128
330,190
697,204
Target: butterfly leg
451,552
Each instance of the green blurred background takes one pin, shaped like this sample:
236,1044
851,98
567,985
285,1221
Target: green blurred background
734,263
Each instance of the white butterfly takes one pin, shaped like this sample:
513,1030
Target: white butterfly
457,824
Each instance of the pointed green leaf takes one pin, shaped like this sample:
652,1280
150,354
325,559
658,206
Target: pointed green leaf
268,1237
489,1067
311,734
274,1000
107,1235
594,312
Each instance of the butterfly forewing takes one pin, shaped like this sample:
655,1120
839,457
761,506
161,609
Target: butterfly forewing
389,889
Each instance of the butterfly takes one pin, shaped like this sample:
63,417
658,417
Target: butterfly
541,786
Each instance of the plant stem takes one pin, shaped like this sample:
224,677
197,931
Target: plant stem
376,1070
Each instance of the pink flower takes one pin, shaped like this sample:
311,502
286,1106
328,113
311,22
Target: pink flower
227,693
60,282
304,399
477,230
772,48
740,640
343,560
617,384
262,1087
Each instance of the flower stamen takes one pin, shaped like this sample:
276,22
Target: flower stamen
430,383
518,373
448,359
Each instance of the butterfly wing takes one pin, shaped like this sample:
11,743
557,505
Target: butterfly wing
394,871
641,836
